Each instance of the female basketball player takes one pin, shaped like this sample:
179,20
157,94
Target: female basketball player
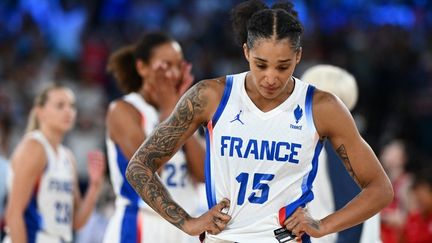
264,134
45,203
154,75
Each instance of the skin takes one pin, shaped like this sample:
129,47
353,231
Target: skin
167,76
56,117
268,84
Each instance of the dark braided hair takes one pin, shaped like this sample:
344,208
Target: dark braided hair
122,62
253,19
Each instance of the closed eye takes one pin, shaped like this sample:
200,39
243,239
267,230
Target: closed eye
260,66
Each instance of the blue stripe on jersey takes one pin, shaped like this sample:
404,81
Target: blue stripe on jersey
129,226
33,219
209,182
224,100
126,189
308,105
307,194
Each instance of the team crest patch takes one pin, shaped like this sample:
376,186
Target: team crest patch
298,114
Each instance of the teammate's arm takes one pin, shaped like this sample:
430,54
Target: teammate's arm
28,163
193,109
195,154
129,137
83,207
334,121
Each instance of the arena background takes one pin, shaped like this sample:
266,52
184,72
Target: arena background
386,45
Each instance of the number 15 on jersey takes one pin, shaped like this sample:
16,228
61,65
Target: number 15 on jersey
259,183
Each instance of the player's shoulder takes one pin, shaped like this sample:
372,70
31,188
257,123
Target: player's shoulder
30,148
210,88
214,84
120,107
325,100
30,142
329,112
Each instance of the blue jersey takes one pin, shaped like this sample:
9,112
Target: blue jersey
263,162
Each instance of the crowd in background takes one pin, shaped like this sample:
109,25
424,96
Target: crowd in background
386,45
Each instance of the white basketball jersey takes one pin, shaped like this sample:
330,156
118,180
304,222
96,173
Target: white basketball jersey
263,162
118,162
50,210
175,175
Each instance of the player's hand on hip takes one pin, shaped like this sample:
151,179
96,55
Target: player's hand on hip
300,222
213,221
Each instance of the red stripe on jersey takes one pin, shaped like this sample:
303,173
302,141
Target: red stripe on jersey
282,213
139,227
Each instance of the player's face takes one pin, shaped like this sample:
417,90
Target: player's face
59,111
272,63
171,57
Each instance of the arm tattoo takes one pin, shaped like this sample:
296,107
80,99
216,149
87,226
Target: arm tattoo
141,171
344,157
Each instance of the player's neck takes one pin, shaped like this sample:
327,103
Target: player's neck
54,137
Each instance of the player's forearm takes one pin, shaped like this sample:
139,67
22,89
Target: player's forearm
368,203
16,228
87,205
146,183
195,155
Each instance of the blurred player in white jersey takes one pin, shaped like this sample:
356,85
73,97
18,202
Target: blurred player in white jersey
153,74
333,186
45,203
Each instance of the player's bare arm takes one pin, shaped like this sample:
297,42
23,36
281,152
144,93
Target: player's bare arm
193,109
129,137
333,121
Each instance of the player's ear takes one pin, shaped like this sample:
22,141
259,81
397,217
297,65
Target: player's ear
299,55
142,68
246,51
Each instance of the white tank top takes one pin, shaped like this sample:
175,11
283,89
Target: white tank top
175,175
50,209
263,162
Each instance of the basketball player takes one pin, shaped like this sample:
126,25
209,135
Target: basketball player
154,75
45,203
334,186
259,171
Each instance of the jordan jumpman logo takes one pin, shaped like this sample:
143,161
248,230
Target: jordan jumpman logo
237,118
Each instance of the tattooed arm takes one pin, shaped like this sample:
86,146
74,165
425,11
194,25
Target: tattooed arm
333,121
193,109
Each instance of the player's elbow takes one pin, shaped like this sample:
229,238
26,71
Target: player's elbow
386,193
129,173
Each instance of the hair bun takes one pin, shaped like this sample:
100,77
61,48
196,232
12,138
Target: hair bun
287,6
240,16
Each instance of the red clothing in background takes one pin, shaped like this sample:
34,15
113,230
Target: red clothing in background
418,229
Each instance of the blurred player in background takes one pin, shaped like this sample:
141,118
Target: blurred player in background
45,203
394,157
153,74
418,225
265,130
333,186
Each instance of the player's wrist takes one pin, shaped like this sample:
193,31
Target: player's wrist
323,227
189,227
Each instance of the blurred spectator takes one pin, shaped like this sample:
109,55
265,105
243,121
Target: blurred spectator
5,129
418,226
394,158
